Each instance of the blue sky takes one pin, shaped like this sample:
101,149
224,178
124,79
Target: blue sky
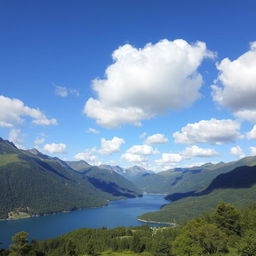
154,83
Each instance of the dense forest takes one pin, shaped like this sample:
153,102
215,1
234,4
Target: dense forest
225,231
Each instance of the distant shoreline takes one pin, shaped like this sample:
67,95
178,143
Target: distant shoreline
157,222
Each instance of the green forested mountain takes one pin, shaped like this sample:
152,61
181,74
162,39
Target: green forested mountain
181,180
237,186
111,182
32,183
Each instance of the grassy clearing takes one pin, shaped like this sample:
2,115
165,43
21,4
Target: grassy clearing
8,158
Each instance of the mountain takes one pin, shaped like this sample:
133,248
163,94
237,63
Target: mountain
114,168
184,180
32,183
111,182
131,173
237,187
78,165
136,172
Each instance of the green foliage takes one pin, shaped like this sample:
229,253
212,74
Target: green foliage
228,219
20,246
200,238
247,245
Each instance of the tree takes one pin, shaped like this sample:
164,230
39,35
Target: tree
20,245
247,246
228,219
71,248
199,238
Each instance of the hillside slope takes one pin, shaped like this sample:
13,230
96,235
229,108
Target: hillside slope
237,187
33,183
183,180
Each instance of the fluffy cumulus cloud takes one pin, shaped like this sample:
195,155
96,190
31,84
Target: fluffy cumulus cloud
135,158
139,153
63,92
55,148
251,135
145,150
17,137
168,158
156,139
88,156
211,131
12,111
195,151
253,151
237,151
144,82
237,87
109,147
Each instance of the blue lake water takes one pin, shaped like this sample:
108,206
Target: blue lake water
117,213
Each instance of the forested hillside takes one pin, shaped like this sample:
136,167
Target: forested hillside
32,183
195,179
237,186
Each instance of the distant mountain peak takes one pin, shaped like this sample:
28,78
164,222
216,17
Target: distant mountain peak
7,147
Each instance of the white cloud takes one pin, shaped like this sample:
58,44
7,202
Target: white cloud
249,115
253,151
88,156
237,151
211,131
143,135
130,157
142,150
39,140
195,151
12,111
109,147
238,84
156,139
142,83
251,135
138,153
17,137
63,92
169,158
92,130
55,148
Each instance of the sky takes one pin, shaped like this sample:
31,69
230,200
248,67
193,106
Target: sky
159,84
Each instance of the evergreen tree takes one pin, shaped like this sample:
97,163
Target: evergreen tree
228,219
20,246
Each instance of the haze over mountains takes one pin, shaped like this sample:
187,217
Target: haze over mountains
32,183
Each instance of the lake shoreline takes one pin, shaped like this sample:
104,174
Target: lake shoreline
157,222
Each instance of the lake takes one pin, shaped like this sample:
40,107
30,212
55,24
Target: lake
116,213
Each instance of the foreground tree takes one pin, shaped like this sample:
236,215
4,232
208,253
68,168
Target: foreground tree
199,238
20,246
228,219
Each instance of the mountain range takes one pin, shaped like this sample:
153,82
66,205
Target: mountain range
32,183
